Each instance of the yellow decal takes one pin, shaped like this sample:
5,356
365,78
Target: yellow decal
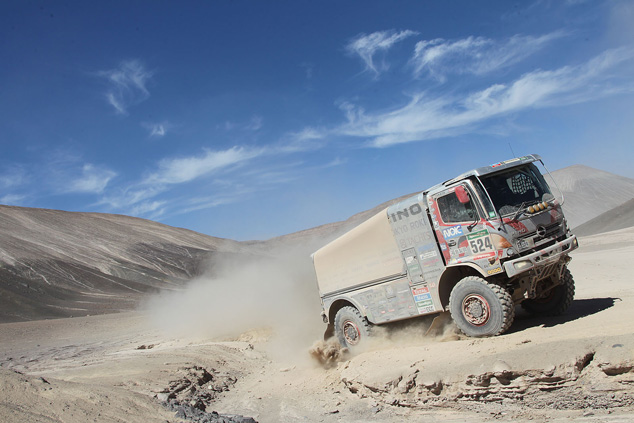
494,271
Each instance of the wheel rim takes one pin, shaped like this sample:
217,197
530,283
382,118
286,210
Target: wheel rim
351,332
476,310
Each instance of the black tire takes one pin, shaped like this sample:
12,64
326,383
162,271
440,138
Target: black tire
351,327
558,299
480,308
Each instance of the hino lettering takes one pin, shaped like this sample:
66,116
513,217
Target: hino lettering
474,246
414,209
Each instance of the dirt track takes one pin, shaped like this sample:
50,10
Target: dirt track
119,368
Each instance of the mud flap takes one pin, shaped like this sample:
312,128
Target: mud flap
438,324
330,332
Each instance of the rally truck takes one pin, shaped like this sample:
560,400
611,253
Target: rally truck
474,246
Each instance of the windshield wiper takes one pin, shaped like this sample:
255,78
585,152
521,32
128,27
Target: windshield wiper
520,211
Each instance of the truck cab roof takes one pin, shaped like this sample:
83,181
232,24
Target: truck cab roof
496,167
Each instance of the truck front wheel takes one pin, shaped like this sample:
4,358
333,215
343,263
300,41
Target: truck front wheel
480,308
351,327
556,301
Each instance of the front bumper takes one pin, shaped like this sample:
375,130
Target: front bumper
541,258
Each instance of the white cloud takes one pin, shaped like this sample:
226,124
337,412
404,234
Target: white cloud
179,170
254,124
93,180
148,197
14,176
367,45
128,198
157,129
337,161
427,117
156,208
307,139
308,68
127,85
474,55
12,199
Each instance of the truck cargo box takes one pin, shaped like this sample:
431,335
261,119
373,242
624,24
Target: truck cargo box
366,253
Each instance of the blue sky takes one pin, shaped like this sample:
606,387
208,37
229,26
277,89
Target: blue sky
251,119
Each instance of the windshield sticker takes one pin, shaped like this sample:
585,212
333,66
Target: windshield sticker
452,232
509,161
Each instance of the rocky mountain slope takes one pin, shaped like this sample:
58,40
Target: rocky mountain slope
59,264
590,192
620,217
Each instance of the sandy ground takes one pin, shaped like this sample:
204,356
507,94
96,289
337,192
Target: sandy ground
119,368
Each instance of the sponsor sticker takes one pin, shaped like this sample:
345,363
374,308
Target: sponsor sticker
478,234
452,232
483,256
460,251
494,271
421,290
428,309
428,255
424,303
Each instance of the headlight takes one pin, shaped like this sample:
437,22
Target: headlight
522,265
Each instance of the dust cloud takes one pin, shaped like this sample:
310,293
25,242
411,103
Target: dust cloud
415,331
251,298
328,353
410,332
273,300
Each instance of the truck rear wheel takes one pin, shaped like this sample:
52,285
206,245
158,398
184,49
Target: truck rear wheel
480,308
351,327
556,301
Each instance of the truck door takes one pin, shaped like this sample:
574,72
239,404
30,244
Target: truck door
423,264
461,230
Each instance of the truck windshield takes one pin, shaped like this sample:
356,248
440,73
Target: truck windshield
515,188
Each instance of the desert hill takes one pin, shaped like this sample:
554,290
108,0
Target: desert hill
620,217
590,192
58,264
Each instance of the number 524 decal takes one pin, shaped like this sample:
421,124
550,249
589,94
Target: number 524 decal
480,245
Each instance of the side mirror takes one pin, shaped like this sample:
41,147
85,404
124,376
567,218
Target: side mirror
462,194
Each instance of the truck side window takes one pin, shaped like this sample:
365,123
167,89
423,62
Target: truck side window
453,211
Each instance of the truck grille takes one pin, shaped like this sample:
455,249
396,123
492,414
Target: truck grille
544,232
